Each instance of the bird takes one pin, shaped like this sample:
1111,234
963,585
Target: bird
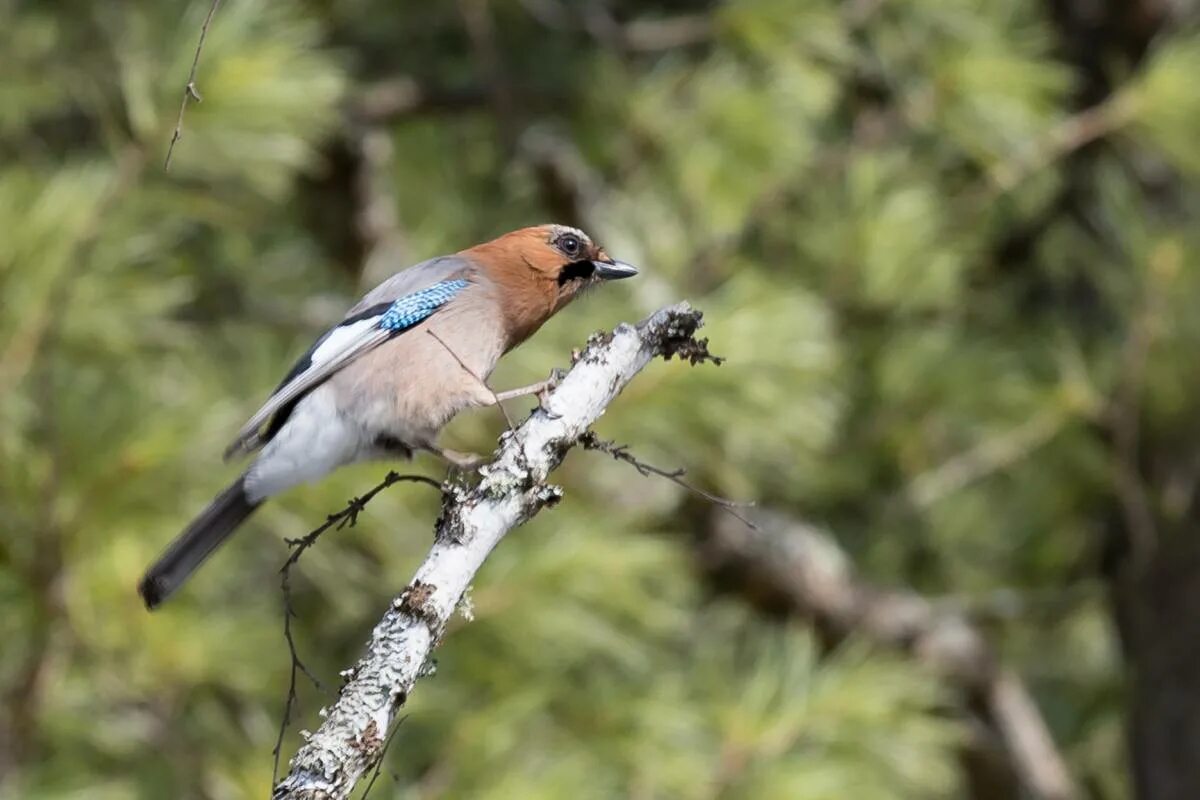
381,384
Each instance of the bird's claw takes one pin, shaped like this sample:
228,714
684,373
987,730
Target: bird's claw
543,394
463,462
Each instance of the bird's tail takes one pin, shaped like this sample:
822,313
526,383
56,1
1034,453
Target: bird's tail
205,533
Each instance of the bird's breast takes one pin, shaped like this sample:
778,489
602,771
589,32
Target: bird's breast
412,385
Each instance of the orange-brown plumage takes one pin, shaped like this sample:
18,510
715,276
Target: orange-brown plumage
527,266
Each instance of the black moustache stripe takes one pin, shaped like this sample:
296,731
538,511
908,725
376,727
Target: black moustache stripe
576,269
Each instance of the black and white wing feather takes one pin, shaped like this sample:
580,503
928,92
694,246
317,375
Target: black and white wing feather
375,320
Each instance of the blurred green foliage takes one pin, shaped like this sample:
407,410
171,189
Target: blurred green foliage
924,344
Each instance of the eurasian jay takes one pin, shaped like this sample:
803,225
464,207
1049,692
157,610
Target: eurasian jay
415,351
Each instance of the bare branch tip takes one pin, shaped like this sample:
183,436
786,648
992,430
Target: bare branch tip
620,452
190,92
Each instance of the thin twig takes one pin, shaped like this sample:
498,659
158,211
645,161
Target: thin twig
620,452
297,666
346,518
189,89
382,756
471,372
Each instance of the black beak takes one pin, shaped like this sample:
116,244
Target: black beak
613,270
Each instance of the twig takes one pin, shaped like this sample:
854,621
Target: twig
346,518
297,666
471,372
382,755
620,452
189,89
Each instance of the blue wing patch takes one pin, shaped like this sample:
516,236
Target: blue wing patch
394,317
412,308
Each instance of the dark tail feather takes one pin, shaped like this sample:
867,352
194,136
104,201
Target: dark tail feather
206,532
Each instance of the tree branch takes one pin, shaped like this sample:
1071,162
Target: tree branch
189,89
788,566
472,522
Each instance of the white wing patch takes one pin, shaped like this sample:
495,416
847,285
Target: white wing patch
342,345
339,338
351,347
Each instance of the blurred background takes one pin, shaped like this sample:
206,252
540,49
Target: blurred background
948,247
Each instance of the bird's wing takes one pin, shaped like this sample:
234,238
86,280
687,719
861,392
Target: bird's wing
396,305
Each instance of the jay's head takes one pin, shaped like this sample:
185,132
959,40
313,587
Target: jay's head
543,268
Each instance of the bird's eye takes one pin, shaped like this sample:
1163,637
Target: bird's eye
570,245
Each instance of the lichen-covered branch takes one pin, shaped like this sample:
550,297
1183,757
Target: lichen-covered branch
473,520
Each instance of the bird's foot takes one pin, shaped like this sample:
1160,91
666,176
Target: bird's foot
463,462
548,386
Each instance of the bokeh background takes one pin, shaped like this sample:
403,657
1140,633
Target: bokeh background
948,247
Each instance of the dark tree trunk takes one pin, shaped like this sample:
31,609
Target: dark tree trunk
1154,578
1157,608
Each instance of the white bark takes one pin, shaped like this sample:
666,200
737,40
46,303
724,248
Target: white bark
473,521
